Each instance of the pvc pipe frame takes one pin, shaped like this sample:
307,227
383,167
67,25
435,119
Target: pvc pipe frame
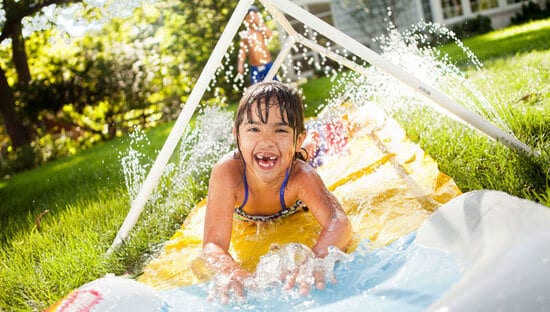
275,7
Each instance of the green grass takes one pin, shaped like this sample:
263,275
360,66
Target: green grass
515,77
316,93
534,36
87,200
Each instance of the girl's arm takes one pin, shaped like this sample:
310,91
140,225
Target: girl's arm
336,227
218,222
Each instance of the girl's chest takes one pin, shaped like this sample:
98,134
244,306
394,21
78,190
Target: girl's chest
268,203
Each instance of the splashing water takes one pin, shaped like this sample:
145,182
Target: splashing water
295,257
291,260
184,180
133,163
411,51
400,277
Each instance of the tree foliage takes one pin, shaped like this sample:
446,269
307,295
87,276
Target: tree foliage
134,71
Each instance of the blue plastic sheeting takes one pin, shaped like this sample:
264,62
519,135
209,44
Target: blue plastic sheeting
400,277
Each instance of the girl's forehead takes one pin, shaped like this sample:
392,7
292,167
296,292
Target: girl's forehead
274,112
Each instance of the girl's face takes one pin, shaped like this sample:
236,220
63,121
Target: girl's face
268,149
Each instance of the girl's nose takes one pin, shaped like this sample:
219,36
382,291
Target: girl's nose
267,138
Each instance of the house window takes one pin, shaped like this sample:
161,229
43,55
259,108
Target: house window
451,8
481,5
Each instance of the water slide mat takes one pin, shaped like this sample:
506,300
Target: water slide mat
482,251
387,185
420,244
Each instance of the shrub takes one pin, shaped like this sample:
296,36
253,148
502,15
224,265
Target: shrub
472,26
529,12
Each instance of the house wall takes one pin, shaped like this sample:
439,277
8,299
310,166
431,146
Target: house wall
347,15
363,23
500,11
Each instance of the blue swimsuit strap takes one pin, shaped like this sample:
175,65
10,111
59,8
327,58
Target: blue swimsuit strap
281,191
245,188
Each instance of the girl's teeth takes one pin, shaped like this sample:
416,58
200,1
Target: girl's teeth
266,161
267,157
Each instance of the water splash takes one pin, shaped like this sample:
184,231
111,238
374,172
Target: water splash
284,265
289,258
400,277
413,51
72,20
134,165
184,180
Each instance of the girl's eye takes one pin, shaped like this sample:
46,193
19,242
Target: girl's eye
282,130
253,129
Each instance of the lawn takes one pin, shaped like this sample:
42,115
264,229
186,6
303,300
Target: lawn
57,221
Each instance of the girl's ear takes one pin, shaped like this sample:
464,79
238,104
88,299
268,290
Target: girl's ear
299,148
300,141
234,131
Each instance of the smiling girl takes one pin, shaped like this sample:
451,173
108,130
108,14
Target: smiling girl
267,179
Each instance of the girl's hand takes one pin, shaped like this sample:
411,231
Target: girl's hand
306,275
228,286
310,145
301,268
228,278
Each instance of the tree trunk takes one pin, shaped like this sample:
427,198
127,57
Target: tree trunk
14,126
19,55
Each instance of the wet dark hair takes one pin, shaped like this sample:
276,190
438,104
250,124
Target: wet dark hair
265,94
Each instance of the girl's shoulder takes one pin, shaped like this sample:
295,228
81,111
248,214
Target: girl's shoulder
230,159
229,167
303,173
304,181
303,166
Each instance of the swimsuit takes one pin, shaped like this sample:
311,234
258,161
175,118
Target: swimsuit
239,213
258,73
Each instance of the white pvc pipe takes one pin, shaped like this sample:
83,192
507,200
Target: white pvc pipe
330,54
280,58
377,60
169,146
279,17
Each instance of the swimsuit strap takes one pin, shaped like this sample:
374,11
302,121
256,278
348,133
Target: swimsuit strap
245,188
282,191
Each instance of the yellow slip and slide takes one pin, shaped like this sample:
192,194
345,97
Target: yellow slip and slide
387,185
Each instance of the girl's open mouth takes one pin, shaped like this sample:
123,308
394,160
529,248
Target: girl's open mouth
266,161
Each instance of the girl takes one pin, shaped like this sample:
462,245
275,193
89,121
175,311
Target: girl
266,179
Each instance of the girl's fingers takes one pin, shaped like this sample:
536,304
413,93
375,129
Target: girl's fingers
304,288
319,277
291,280
224,294
238,288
